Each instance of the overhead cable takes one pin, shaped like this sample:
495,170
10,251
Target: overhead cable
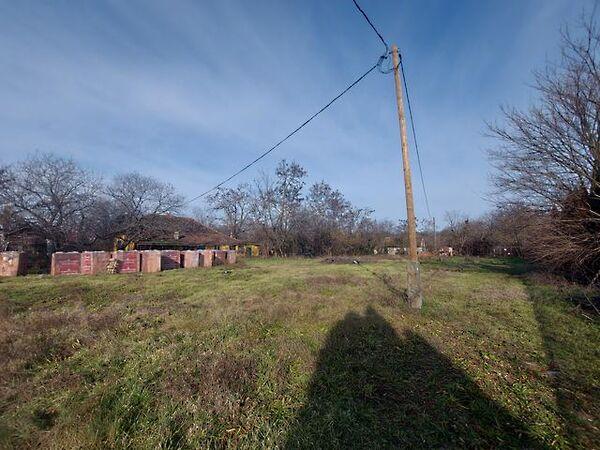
298,128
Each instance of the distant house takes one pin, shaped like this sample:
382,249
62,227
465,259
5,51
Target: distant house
185,233
446,251
395,250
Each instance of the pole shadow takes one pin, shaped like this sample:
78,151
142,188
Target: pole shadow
387,281
375,389
570,352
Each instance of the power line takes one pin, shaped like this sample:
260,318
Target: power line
306,122
412,122
387,47
414,133
378,65
386,53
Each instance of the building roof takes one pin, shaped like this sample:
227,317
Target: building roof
184,231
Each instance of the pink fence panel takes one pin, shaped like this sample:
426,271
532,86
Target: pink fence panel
206,258
12,264
191,258
151,261
220,257
68,263
129,261
231,257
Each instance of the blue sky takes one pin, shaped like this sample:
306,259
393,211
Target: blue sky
189,91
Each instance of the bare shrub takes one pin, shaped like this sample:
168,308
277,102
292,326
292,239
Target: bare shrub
548,158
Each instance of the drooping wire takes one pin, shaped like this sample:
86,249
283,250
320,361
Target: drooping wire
389,69
386,52
414,133
379,66
306,122
387,47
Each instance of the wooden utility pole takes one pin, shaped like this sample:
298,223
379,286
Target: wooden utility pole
435,251
414,291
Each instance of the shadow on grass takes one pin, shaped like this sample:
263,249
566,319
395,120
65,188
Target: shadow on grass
506,265
387,281
571,347
375,389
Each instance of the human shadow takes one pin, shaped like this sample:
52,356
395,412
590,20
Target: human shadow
374,389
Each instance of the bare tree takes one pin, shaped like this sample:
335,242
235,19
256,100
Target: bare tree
206,215
327,204
458,229
52,195
511,227
549,156
332,223
277,206
288,193
4,176
137,199
234,206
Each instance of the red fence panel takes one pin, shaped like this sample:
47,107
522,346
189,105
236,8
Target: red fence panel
128,261
68,263
93,263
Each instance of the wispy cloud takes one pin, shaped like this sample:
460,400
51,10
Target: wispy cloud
188,92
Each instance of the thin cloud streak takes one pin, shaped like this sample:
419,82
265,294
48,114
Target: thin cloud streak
190,92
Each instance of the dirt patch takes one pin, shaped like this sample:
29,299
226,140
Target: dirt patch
211,378
340,260
548,278
494,293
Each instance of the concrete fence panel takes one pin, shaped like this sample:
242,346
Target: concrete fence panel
93,263
191,258
151,260
231,257
219,257
206,258
128,261
65,263
12,264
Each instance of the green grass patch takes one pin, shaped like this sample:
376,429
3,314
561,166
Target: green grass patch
299,353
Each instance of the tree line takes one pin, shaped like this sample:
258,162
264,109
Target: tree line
69,207
56,199
546,184
286,218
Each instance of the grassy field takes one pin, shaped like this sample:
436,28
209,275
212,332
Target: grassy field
298,354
